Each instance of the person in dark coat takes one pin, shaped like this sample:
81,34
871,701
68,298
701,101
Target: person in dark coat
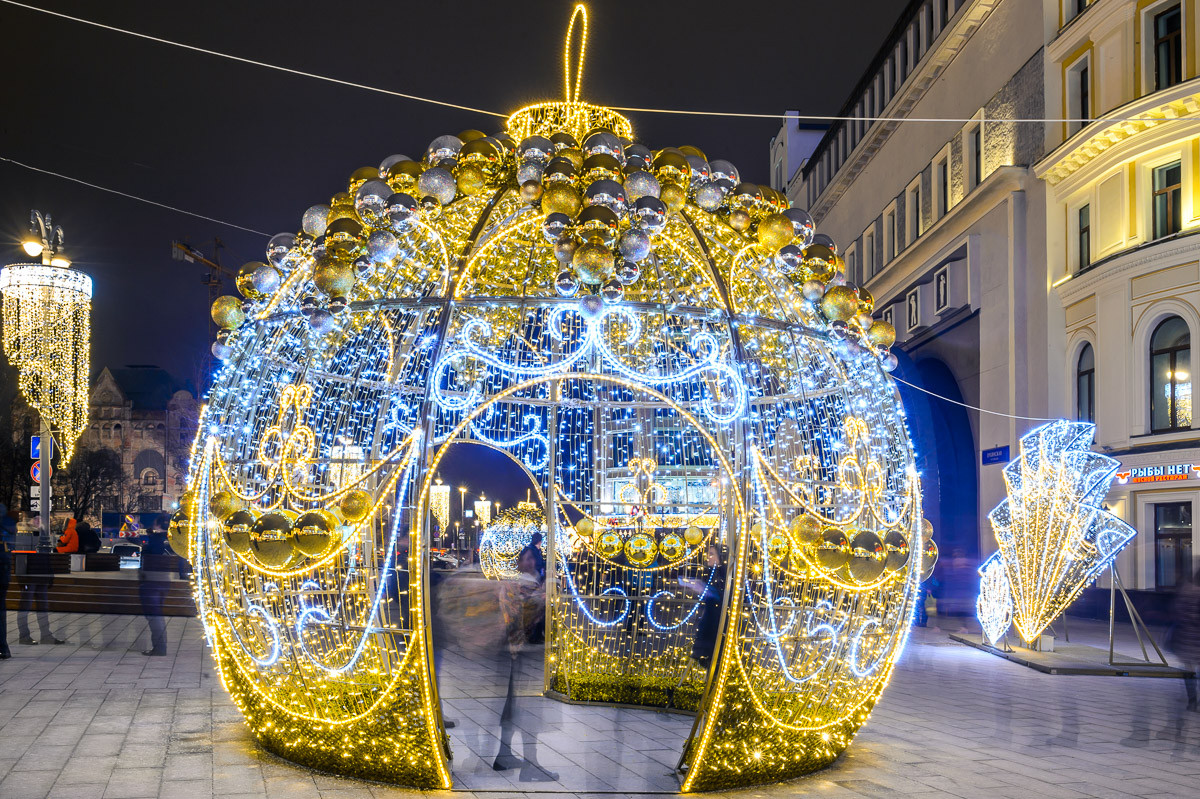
154,580
8,532
1184,638
711,595
89,540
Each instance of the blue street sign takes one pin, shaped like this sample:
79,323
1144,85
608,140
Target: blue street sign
996,455
35,448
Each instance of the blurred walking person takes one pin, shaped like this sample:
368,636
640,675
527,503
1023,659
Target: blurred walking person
154,578
35,590
1184,637
8,532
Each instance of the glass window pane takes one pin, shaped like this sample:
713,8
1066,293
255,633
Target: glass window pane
1171,332
1183,389
1087,358
1160,392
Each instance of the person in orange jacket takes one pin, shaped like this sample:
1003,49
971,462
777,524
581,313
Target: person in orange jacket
68,542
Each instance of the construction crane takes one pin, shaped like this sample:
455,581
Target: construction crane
182,251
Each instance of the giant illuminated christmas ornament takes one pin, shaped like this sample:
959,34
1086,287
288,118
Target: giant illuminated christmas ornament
1054,536
503,539
698,397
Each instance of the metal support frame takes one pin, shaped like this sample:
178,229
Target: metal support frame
1135,619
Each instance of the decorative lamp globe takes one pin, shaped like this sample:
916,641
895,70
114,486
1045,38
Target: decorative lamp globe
702,404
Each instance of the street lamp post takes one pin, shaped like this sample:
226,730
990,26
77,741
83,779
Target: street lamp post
462,504
47,336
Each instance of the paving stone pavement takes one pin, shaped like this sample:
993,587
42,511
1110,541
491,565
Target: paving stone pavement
97,720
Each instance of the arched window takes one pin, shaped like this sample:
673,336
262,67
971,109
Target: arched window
1170,376
1085,385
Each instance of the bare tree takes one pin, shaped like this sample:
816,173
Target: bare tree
91,475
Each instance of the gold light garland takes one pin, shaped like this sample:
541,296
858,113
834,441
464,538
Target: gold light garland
48,337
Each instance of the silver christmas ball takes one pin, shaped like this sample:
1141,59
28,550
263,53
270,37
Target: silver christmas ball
635,244
701,171
321,320
628,273
839,330
308,305
566,284
607,194
535,148
390,162
221,351
653,214
266,279
640,151
400,209
605,142
315,219
278,248
555,225
724,173
438,183
564,248
709,196
443,147
371,198
838,279
590,306
382,246
337,304
639,184
790,258
363,265
611,291
888,361
802,223
823,239
530,170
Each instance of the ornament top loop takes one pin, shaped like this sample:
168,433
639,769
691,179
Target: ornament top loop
573,94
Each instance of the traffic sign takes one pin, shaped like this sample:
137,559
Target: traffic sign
35,491
35,471
35,505
35,447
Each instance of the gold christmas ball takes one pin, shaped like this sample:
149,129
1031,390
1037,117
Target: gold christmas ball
897,551
806,529
593,262
222,504
833,549
313,533
470,135
531,191
839,303
867,557
402,175
673,196
778,547
739,220
641,549
179,533
559,198
929,556
774,231
609,544
572,154
271,539
227,312
866,300
926,530
187,502
245,280
471,179
361,176
585,527
355,505
334,278
882,334
693,535
237,528
672,547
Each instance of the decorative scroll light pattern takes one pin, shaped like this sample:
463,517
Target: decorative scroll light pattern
673,356
48,337
1054,536
994,607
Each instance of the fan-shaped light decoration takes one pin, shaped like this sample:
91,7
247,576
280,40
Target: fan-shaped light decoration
647,336
994,606
505,537
1054,537
48,337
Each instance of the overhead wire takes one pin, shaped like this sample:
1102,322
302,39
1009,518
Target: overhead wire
974,407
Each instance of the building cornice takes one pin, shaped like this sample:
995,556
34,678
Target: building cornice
1118,126
950,43
1084,285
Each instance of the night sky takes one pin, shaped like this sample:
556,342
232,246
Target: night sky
256,147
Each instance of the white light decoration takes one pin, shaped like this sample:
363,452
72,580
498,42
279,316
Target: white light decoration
672,356
1053,535
994,607
504,539
47,336
439,505
483,512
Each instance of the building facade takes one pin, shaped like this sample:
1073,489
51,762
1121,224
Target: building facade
945,223
1124,261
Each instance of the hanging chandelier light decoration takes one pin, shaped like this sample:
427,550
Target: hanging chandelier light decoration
678,362
1053,534
47,332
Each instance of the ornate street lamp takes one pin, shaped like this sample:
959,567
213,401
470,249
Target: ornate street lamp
47,318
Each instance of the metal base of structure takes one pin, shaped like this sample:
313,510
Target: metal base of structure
1072,659
1135,619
